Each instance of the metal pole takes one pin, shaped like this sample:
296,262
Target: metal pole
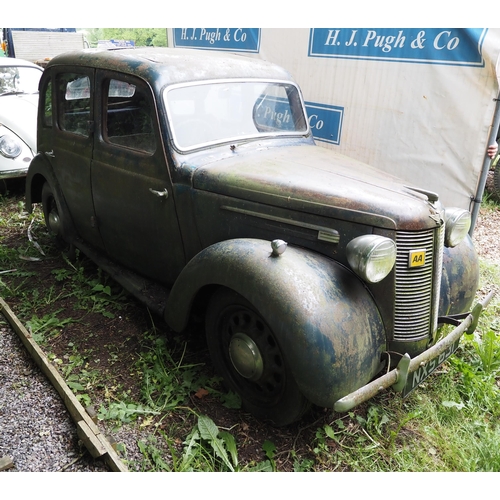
486,168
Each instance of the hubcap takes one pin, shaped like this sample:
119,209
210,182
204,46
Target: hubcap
246,357
54,222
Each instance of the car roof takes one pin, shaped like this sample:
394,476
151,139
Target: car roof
172,65
12,61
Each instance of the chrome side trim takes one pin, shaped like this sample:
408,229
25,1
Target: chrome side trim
324,233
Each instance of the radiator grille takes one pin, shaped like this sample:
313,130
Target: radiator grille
414,298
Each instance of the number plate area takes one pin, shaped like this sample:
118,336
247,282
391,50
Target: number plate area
418,376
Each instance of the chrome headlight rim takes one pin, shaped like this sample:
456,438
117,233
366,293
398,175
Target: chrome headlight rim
10,146
372,257
457,224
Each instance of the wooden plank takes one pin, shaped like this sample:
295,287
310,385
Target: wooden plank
75,408
90,439
6,463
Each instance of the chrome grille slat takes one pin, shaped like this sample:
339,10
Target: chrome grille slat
413,315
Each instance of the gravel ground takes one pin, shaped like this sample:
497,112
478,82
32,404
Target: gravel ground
38,434
36,431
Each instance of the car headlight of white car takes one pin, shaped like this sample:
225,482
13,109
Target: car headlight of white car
10,145
371,257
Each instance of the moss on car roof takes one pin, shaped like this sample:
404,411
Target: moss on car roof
170,65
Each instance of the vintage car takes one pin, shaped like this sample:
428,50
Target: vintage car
18,110
193,179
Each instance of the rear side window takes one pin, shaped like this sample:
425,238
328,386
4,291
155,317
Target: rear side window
128,116
74,103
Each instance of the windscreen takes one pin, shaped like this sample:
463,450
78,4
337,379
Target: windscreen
221,112
19,80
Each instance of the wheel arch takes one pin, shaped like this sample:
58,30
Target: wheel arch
326,321
39,173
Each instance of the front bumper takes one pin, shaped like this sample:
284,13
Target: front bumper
400,378
14,173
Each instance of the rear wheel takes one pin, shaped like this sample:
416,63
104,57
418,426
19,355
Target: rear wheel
247,354
54,218
496,183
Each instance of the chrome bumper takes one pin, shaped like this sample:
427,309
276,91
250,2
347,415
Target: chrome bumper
432,357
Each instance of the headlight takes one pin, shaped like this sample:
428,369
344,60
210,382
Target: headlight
457,226
10,146
371,257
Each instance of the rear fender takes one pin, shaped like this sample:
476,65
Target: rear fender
39,172
325,320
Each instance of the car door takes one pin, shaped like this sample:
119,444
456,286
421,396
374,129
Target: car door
131,185
66,138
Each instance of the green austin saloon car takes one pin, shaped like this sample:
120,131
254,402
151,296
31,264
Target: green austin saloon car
193,178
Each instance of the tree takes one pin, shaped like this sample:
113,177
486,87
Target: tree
149,37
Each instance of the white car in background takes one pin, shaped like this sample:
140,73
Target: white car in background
18,111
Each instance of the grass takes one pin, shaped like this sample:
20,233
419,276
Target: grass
450,423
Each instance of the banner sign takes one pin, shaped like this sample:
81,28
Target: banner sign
233,39
452,46
325,121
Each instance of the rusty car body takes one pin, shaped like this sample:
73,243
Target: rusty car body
194,180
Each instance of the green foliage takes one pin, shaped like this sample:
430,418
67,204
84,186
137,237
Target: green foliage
95,293
142,37
489,201
206,448
487,349
47,326
124,412
221,442
167,382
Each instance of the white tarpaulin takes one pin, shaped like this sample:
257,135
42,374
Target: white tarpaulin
415,102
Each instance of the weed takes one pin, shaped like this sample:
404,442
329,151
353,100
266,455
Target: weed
489,201
166,382
206,448
124,413
47,326
270,451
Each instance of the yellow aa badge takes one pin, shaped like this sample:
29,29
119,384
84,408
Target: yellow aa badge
417,258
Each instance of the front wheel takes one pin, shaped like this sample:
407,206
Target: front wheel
247,355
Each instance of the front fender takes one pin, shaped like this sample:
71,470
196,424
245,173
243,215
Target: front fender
325,320
460,278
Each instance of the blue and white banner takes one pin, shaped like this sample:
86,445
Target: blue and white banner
325,121
418,45
233,39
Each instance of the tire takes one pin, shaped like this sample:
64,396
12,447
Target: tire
52,213
496,183
247,355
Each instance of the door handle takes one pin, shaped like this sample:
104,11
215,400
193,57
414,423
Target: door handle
160,194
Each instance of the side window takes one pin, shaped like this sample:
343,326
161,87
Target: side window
73,96
128,116
47,105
